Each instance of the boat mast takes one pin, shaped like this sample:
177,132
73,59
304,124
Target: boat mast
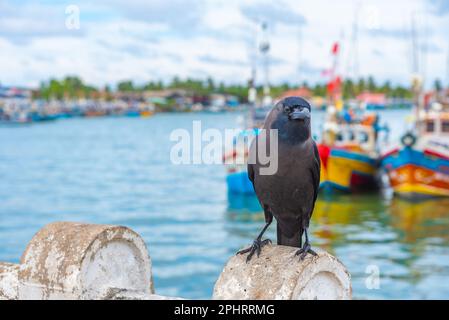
264,49
416,78
415,57
353,64
447,67
252,91
252,52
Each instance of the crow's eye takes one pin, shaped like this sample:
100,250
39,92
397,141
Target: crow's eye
288,109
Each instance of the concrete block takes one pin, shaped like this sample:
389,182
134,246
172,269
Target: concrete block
9,281
67,260
279,275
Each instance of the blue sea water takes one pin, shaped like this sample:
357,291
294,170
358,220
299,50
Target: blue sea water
118,171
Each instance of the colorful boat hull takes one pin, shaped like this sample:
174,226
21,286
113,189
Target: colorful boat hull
237,178
347,171
239,183
417,174
341,170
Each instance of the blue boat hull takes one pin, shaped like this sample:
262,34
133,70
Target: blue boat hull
238,182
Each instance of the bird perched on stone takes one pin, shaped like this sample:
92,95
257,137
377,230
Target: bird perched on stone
290,193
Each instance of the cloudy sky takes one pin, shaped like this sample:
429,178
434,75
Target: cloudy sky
158,39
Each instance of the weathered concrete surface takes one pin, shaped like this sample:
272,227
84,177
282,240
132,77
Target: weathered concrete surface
127,295
66,260
279,275
81,261
9,282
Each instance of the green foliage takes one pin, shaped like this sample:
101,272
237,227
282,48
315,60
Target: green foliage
126,86
72,87
353,89
319,90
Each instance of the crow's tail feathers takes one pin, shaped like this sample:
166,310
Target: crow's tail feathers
294,241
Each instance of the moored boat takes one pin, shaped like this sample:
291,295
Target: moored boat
236,164
419,166
348,148
146,113
348,153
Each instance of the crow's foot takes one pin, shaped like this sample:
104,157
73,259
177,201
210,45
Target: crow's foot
257,246
302,253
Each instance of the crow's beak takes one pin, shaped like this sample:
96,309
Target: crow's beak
300,114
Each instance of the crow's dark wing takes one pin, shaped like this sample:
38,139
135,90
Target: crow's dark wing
251,173
315,172
250,161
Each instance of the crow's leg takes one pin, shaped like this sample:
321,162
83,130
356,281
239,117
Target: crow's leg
258,244
306,248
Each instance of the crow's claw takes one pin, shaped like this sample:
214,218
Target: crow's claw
255,248
302,253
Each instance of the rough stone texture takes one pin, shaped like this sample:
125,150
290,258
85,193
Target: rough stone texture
66,260
279,275
126,295
9,281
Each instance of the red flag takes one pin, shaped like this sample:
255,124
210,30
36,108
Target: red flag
335,48
334,85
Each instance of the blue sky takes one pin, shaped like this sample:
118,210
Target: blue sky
157,39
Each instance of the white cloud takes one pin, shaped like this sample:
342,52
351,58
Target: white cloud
143,40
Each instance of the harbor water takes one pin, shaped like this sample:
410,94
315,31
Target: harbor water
118,171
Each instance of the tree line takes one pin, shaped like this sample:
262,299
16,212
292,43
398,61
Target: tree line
72,87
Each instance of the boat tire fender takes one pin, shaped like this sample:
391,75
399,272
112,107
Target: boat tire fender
408,140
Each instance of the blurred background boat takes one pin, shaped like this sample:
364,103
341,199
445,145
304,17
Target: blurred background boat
418,165
349,152
349,140
236,163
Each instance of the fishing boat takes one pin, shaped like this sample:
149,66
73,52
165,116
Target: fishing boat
15,118
348,149
418,166
146,113
94,112
236,163
348,153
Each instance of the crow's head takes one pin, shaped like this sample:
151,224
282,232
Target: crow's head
296,109
293,119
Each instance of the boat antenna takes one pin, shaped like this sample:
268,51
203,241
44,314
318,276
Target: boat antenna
252,53
353,64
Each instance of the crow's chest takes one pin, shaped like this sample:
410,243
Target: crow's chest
291,186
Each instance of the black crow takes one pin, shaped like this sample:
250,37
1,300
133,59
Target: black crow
290,193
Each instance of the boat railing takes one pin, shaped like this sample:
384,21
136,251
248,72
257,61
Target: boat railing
433,123
358,136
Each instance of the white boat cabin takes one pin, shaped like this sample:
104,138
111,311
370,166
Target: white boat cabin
433,123
357,137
